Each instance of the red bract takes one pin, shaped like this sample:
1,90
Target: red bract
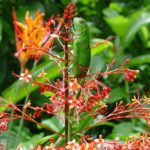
3,122
49,108
133,143
130,75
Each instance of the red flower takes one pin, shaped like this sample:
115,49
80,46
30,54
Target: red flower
130,75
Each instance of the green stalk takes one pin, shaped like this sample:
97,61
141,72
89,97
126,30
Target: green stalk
11,122
128,98
22,118
127,91
68,129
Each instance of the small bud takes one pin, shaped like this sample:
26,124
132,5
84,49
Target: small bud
114,61
127,61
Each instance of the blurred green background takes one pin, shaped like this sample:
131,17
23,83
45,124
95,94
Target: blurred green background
128,21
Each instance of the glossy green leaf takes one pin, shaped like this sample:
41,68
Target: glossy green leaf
123,129
47,94
144,33
47,138
32,143
101,47
48,66
54,123
85,2
139,60
83,122
143,19
119,24
97,63
26,138
58,126
116,95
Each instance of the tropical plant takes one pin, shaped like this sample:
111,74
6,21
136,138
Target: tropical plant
69,109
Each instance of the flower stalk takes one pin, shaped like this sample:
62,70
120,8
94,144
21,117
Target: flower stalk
66,81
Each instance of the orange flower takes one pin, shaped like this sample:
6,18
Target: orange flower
74,86
29,36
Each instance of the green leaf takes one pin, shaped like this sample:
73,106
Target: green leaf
54,123
116,95
46,138
32,8
85,2
25,136
32,143
101,47
97,63
143,19
47,94
52,72
139,60
83,122
0,29
57,125
119,24
144,33
8,29
3,69
116,6
123,130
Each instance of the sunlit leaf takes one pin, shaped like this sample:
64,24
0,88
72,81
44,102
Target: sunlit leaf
144,33
119,24
47,94
85,2
47,138
143,19
48,66
57,125
32,143
139,60
54,123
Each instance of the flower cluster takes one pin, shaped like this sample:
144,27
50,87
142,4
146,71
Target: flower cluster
135,143
3,122
35,37
130,75
29,36
89,97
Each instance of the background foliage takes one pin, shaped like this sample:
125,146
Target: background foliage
128,21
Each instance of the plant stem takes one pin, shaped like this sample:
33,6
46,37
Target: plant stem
22,119
11,122
127,90
67,123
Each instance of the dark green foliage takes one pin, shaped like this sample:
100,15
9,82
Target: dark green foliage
128,21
